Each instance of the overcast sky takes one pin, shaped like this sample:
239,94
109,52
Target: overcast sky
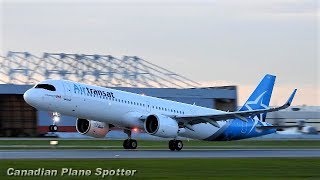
233,42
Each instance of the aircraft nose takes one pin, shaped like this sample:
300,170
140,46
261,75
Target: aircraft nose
29,97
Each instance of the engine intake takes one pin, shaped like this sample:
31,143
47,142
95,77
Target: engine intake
92,128
162,126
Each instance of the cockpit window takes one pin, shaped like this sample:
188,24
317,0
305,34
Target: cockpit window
46,86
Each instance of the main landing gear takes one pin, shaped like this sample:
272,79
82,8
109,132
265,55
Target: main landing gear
129,143
175,145
55,119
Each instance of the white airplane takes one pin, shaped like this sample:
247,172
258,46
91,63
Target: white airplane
98,109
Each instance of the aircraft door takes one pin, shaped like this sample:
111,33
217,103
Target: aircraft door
193,111
67,91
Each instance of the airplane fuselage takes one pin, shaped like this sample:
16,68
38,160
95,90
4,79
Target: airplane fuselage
125,110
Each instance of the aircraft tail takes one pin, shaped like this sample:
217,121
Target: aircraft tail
260,98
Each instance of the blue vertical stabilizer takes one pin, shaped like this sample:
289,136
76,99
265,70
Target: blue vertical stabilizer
260,98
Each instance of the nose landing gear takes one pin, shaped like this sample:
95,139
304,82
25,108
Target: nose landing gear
55,119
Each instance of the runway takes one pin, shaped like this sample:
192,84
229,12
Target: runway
101,154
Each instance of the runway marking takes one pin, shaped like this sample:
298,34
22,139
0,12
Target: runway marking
200,153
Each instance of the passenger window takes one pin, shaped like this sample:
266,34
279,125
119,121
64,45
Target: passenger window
46,86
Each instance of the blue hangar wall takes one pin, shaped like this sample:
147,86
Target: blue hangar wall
19,119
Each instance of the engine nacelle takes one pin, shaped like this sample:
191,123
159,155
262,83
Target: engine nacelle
92,128
162,126
309,130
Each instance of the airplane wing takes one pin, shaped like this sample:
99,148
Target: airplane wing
242,115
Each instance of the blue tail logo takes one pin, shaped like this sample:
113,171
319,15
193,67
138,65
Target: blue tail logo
260,98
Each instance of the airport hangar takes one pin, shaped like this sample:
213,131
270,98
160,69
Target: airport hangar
21,70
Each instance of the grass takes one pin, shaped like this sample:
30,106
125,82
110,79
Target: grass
143,144
239,168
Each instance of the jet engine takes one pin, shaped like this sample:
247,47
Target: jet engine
162,126
92,128
309,130
306,129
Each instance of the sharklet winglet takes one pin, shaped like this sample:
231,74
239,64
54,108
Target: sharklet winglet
288,103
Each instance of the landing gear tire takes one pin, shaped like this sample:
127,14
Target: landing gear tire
178,145
53,128
171,145
125,144
175,145
133,144
130,144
